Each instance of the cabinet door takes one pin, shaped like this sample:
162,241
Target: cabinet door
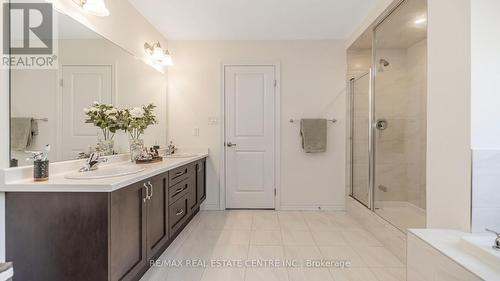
192,192
157,221
201,181
128,252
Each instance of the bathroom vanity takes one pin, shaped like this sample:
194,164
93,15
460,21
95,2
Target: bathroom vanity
100,229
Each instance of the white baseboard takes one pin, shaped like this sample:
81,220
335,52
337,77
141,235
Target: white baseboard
312,207
210,207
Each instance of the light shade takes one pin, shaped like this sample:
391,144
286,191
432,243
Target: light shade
95,7
157,54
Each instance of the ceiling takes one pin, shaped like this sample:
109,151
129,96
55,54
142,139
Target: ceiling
254,19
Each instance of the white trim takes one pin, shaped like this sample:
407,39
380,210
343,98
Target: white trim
277,129
313,207
210,207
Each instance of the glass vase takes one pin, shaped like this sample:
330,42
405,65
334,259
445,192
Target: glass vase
136,148
105,143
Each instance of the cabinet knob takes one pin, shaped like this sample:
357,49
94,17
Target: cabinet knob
180,212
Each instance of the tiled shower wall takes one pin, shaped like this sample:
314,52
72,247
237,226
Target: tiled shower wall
401,99
485,190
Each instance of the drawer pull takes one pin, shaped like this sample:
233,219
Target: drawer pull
180,173
180,212
179,190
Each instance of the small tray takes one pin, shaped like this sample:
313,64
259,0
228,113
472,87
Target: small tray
154,160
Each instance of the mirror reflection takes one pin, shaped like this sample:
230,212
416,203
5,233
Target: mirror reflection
58,106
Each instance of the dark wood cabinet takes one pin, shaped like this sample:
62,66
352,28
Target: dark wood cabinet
128,227
100,236
157,215
201,187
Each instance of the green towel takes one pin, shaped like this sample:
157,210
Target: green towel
313,133
22,130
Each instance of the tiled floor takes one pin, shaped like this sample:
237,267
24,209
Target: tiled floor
244,238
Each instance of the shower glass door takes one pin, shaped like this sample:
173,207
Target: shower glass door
399,136
359,134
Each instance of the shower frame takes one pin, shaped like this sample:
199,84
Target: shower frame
371,113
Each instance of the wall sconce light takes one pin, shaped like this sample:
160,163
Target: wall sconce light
94,7
158,54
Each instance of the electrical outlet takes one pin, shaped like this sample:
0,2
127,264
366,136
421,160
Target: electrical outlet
196,132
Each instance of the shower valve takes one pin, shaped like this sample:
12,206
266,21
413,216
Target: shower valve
381,124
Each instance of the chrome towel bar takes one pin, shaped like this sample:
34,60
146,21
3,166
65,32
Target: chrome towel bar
298,120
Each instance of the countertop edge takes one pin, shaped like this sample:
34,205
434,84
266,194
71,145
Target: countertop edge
89,187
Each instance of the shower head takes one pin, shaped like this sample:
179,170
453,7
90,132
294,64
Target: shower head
383,63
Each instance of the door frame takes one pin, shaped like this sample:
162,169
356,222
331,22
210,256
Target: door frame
59,97
277,129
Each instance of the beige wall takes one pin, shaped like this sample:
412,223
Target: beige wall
449,121
312,75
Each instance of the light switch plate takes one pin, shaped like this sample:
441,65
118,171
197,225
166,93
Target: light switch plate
212,121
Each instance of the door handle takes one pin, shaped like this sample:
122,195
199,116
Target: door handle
150,186
230,144
147,192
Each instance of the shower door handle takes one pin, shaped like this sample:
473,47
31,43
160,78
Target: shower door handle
381,124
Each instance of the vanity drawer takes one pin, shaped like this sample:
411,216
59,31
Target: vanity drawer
178,213
179,190
179,174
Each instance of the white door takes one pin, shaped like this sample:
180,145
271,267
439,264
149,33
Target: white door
81,86
250,136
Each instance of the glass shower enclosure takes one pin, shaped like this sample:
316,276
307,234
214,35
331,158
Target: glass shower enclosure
388,98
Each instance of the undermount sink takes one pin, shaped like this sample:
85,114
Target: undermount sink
481,247
106,172
180,155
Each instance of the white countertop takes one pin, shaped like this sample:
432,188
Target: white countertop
448,243
58,183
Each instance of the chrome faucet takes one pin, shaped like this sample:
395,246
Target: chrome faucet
496,246
171,149
92,162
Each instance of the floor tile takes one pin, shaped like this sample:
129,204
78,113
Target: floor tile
266,237
297,237
353,274
389,274
342,254
266,253
377,257
224,274
266,274
253,236
309,274
234,237
360,237
328,238
265,220
302,253
229,252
